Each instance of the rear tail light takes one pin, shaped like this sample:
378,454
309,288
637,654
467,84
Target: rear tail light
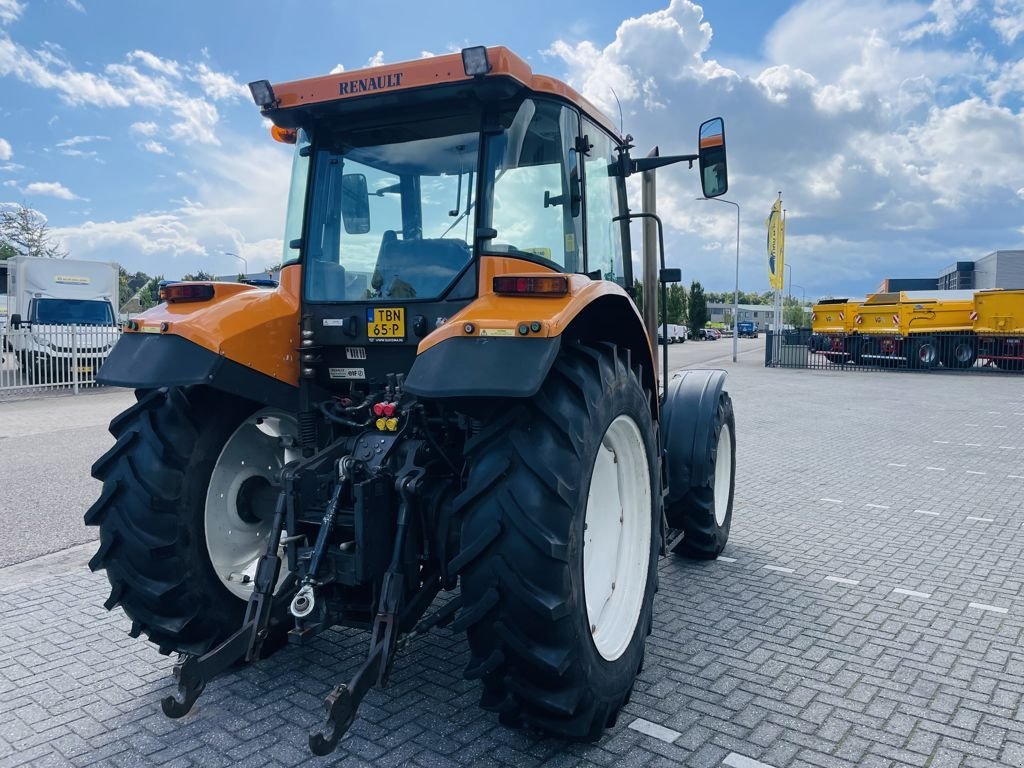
187,292
532,285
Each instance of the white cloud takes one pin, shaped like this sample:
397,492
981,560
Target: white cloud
144,128
154,62
1008,82
948,16
81,153
376,60
237,204
6,153
887,155
50,189
1008,20
10,10
198,120
119,85
155,147
74,141
218,85
338,69
76,5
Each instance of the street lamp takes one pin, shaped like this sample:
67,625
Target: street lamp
245,264
736,292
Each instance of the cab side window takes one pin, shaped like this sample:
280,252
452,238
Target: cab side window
536,208
604,236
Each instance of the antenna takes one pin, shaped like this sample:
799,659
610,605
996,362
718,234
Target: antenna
622,131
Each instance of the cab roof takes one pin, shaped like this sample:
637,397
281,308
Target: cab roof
407,76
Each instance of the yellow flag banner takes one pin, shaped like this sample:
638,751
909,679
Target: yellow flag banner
776,245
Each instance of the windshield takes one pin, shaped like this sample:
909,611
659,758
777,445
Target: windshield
392,211
72,312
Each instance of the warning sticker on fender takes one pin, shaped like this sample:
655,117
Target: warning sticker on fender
347,373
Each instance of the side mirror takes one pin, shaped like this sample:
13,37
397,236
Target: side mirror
15,321
355,204
714,177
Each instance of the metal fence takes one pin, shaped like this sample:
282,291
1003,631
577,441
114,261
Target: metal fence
958,351
53,357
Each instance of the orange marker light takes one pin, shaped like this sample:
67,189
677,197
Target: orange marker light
284,135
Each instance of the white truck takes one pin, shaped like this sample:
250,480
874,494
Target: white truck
61,314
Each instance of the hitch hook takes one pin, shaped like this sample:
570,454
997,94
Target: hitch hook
190,685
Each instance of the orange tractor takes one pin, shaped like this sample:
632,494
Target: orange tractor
451,389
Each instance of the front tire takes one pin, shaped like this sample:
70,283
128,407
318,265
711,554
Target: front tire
556,628
153,521
705,512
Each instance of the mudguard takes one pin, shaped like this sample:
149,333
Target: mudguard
150,361
687,418
483,367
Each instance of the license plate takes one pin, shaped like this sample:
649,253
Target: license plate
385,324
85,369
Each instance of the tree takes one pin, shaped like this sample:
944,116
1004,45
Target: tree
698,307
150,295
24,232
200,275
675,303
794,314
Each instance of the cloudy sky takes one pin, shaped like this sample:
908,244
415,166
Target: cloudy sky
895,130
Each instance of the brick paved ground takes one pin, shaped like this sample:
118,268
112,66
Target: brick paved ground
796,651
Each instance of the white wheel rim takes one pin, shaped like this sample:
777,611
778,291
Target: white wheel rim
617,538
252,453
723,474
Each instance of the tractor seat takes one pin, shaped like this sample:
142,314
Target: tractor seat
411,269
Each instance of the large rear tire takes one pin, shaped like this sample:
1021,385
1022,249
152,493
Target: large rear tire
560,538
705,513
153,518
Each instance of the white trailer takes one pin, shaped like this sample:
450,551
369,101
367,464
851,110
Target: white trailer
61,314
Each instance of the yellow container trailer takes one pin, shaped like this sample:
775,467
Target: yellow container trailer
832,326
916,327
998,325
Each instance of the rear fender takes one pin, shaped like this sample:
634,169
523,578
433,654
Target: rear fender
254,327
495,360
687,418
151,361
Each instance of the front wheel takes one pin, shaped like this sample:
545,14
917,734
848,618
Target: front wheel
188,497
705,513
560,537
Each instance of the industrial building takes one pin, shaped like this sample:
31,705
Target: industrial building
758,313
999,269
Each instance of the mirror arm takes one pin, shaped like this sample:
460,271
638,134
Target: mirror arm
650,163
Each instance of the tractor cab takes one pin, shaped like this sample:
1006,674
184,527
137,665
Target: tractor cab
397,213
